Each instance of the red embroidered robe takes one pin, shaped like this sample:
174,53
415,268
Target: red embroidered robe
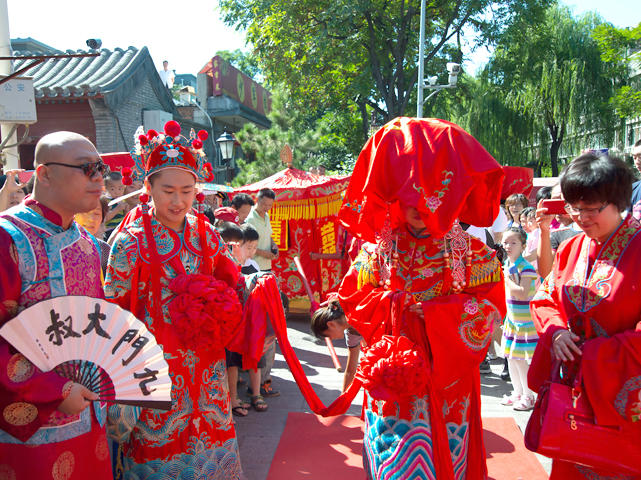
436,433
197,435
593,290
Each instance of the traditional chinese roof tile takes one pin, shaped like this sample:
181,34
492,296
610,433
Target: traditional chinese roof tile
111,75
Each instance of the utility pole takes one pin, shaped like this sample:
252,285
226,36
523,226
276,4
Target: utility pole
421,64
9,155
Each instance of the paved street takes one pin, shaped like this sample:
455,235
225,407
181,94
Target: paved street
259,433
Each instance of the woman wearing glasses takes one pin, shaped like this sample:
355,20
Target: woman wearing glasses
588,308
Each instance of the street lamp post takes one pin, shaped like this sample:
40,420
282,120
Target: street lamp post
226,144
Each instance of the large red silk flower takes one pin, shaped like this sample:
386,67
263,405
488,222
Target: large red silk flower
205,311
394,368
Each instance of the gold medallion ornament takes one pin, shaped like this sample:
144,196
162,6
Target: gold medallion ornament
102,449
20,413
19,368
7,473
63,466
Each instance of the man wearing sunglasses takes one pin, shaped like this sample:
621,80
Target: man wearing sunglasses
45,424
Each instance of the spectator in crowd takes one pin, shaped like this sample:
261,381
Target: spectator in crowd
250,244
500,225
225,215
528,223
211,203
549,241
330,321
12,191
243,204
116,213
259,219
167,76
587,310
131,203
266,251
519,334
234,237
92,221
513,206
635,203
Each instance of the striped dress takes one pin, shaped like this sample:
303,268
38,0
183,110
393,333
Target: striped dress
519,334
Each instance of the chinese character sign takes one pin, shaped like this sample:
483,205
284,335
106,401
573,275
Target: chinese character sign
17,101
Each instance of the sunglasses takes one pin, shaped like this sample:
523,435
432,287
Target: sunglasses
90,169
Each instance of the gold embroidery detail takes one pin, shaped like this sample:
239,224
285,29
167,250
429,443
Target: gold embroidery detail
7,473
11,306
13,253
19,368
102,449
63,466
20,413
86,246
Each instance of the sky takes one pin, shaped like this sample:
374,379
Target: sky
188,33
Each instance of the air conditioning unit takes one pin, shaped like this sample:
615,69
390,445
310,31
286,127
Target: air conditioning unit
156,119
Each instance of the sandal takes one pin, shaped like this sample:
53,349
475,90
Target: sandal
525,404
259,403
242,404
239,411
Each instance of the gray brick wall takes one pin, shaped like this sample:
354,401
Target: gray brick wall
115,130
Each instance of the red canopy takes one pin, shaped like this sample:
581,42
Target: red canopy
304,220
300,194
517,180
293,184
117,161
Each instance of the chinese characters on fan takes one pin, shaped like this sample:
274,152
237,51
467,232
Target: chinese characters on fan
59,330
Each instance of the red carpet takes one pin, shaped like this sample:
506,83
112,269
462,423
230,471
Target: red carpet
312,447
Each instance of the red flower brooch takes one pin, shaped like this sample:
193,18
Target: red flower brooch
394,369
205,311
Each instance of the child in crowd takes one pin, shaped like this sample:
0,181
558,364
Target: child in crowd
519,333
249,245
528,223
329,321
240,248
513,206
115,189
92,221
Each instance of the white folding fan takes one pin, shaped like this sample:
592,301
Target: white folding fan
97,344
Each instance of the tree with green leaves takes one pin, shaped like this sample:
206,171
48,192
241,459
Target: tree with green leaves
362,53
619,47
551,72
262,147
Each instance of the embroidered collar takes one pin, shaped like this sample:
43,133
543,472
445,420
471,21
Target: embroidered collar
43,210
